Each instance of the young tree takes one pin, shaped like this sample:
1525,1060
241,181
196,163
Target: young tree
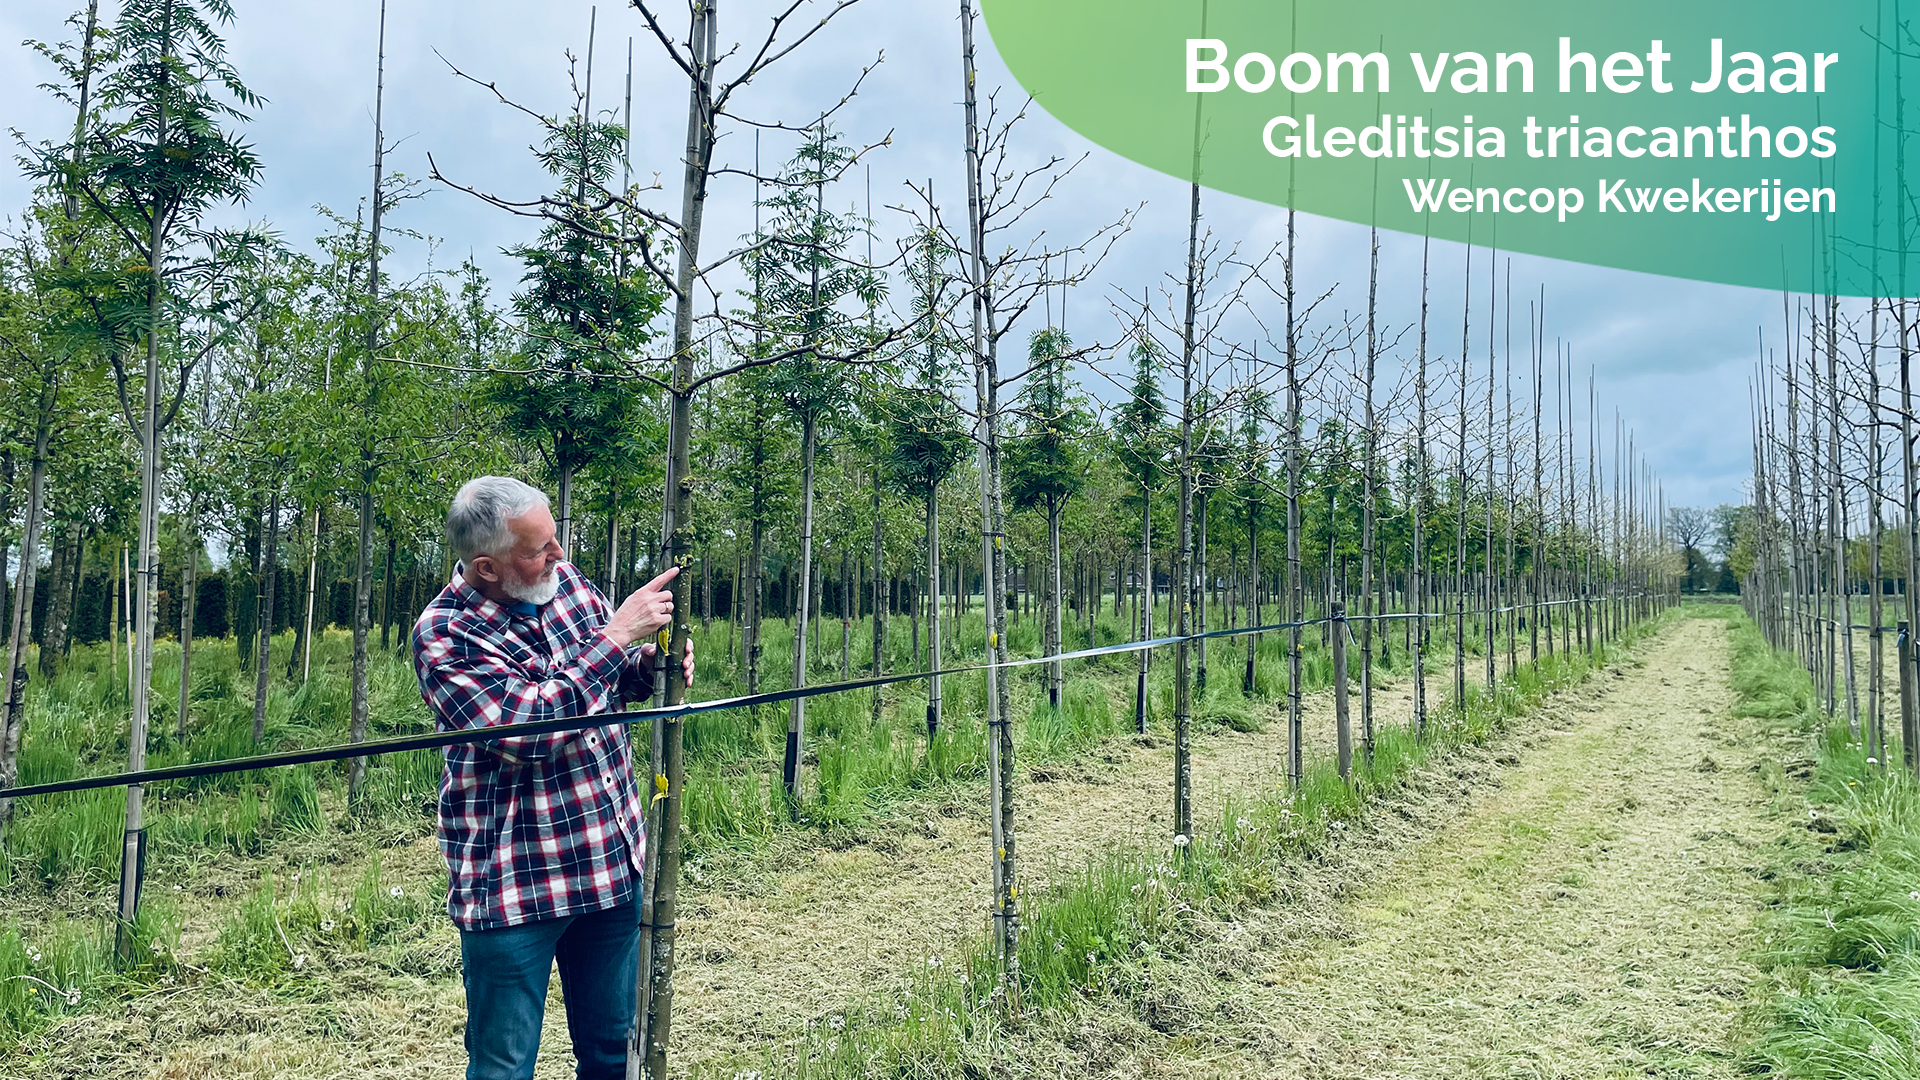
805,275
926,442
1044,467
148,171
1140,445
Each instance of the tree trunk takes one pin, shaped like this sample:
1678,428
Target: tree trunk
880,605
1056,674
933,613
660,899
797,711
271,573
386,590
13,717
363,549
53,646
1000,763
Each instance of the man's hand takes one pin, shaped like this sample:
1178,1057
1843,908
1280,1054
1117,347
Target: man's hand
686,664
644,612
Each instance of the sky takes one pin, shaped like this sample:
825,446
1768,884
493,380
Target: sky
1671,357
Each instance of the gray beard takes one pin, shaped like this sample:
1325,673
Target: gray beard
536,593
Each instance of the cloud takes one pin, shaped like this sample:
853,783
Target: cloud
1669,355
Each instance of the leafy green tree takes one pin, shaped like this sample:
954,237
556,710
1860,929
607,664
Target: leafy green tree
804,274
584,312
149,168
1044,464
1141,445
926,439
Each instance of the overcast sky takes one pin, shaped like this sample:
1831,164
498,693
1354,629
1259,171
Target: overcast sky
1672,356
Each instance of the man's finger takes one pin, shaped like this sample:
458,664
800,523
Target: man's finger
661,580
648,650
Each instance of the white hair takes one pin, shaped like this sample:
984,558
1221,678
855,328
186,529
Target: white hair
477,520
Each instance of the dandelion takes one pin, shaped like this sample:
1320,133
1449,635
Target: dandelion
73,998
326,926
1180,840
1914,895
394,892
1813,813
1873,761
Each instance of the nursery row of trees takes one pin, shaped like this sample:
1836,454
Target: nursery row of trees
826,419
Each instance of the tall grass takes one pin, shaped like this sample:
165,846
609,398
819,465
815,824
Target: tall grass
1842,937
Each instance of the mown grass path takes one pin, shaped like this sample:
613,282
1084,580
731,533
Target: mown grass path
844,926
1584,917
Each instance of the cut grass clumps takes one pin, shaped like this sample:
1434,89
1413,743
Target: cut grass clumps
1842,938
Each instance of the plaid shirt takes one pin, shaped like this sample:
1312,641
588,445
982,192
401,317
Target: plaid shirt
532,826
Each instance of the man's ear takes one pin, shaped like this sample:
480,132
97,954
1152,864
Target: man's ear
484,567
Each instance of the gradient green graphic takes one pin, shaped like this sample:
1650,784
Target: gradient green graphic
1116,71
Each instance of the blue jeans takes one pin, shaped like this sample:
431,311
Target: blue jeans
506,973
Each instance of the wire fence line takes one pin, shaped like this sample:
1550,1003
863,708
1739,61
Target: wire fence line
440,739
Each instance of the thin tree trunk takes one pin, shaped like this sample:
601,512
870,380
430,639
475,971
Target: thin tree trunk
363,551
271,574
797,711
13,717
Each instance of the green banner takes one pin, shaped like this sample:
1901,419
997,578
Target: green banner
1752,143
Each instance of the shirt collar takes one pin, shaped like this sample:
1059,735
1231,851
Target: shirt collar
473,598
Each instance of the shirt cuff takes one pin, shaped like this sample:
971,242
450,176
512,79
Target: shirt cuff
603,660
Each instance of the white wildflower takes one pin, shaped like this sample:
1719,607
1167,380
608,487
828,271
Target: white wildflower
326,925
1337,824
1180,840
836,1022
1873,760
933,961
1914,895
394,892
73,998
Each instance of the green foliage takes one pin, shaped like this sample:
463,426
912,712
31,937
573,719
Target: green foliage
584,308
1044,466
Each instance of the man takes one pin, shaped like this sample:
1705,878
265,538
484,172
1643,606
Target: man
544,835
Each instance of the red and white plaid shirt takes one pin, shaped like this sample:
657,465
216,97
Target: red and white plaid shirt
533,826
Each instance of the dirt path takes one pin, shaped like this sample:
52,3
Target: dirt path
1581,918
